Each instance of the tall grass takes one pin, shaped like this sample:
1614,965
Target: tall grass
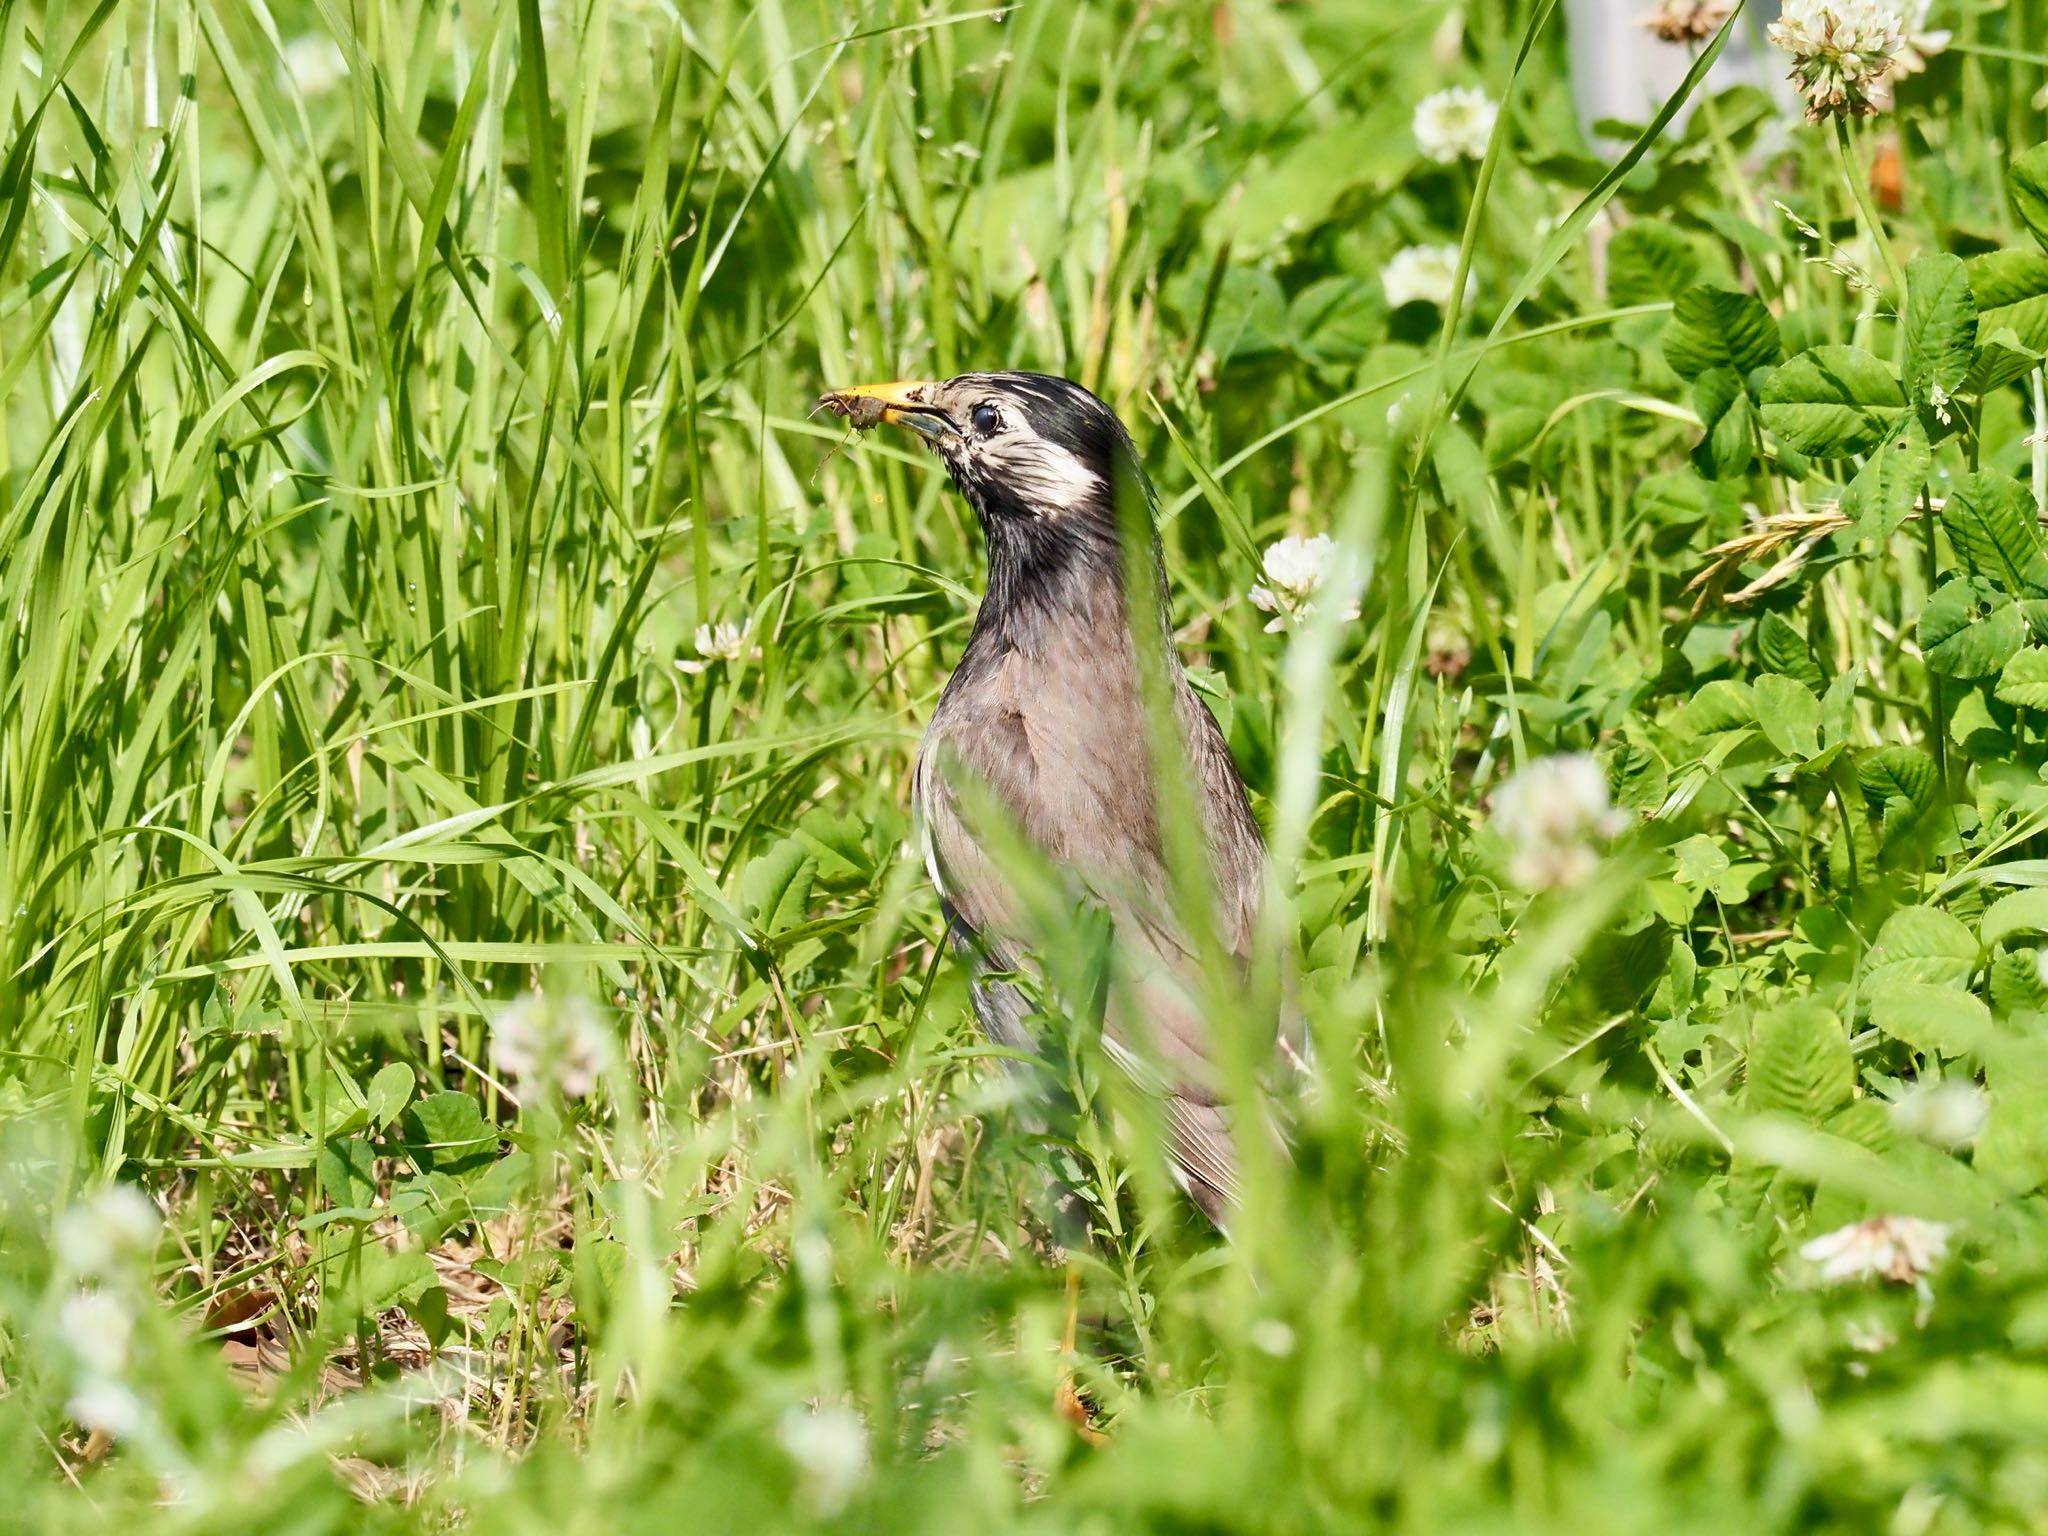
395,389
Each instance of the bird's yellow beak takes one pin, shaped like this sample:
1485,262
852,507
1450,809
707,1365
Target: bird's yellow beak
902,403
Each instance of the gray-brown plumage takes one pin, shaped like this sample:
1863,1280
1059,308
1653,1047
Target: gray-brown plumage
1045,713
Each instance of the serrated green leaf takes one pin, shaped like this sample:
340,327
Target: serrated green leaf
446,1133
2011,289
1250,317
1675,499
1931,1017
1336,321
775,890
2001,359
1941,338
1783,649
387,1279
1866,1123
1621,969
1899,773
1725,704
1730,420
1831,402
2024,682
2027,180
2012,1152
1719,328
2016,985
1789,716
2016,912
1888,486
348,1172
1923,944
1990,519
1649,262
1969,629
1799,1062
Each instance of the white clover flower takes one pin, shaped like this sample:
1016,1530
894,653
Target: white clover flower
1842,53
1687,21
723,641
1552,816
1922,42
1295,569
98,1328
1901,1249
108,1408
1948,1114
1454,124
106,1232
1424,274
557,1041
830,1447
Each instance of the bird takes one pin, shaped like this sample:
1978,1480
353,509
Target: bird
1046,715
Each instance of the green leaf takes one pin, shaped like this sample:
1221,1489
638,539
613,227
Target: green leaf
1699,860
1865,1123
1923,944
1799,1062
499,1187
389,1279
1675,499
1930,1017
1831,402
2017,912
1250,318
1941,337
1724,704
389,1092
1730,421
2028,183
348,1172
2012,1152
446,1133
428,1205
1648,262
1899,773
840,844
1783,649
1719,328
2016,984
1336,321
775,891
1622,969
1888,486
1789,716
2002,358
1970,629
2024,681
2011,289
1990,519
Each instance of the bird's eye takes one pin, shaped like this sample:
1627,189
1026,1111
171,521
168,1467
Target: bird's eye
986,418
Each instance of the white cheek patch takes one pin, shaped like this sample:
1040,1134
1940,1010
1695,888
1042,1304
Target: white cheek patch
1042,473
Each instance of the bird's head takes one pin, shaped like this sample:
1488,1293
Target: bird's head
1041,460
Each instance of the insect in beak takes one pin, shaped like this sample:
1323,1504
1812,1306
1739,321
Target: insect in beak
901,404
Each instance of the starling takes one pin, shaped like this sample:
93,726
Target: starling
1046,715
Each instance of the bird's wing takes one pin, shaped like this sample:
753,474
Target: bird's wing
1081,791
